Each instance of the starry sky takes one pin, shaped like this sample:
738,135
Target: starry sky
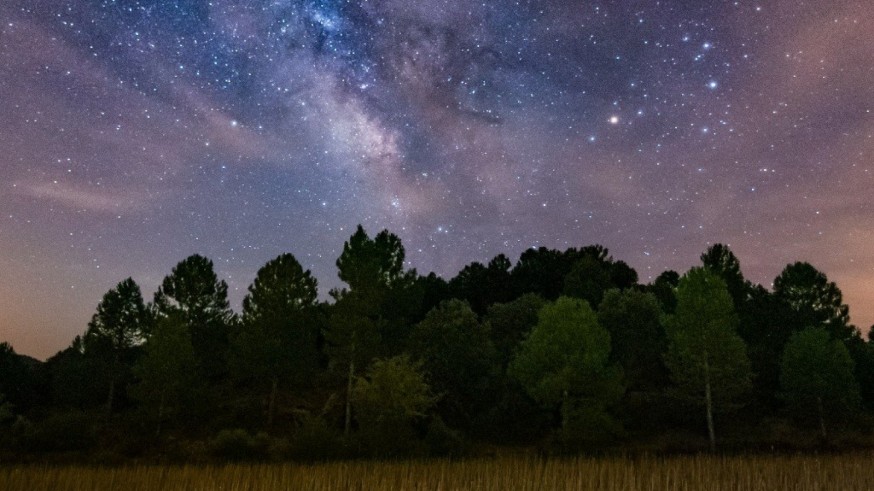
134,133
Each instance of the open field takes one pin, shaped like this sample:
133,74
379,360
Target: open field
800,473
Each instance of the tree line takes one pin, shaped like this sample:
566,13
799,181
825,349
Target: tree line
563,350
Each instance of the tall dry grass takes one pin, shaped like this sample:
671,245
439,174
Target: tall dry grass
800,473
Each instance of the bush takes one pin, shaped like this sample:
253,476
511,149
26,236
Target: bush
443,441
315,440
238,444
60,432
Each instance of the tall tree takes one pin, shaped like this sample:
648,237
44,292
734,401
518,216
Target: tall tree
194,293
482,286
637,337
120,323
816,301
817,376
277,340
719,259
663,288
169,380
459,359
392,395
509,323
565,363
364,312
706,357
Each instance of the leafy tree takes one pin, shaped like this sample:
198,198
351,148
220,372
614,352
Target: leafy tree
391,395
588,279
120,323
365,313
509,323
19,381
540,271
816,301
565,363
719,260
71,377
194,293
817,376
637,338
663,288
706,357
277,340
593,272
458,358
367,263
482,286
766,323
169,379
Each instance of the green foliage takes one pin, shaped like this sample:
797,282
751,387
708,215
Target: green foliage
509,323
637,338
238,444
392,392
707,359
703,342
817,377
169,380
391,396
565,363
719,260
458,358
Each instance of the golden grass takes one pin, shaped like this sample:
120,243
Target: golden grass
799,473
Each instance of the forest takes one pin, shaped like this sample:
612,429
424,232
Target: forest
561,352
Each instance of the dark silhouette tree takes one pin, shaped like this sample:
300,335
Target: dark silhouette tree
194,293
816,301
637,338
509,323
277,339
19,380
364,313
482,286
170,382
540,271
719,260
706,357
458,358
663,288
120,323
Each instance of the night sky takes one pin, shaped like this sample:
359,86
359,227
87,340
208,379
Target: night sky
135,133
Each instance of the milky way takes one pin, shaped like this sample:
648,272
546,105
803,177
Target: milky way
135,133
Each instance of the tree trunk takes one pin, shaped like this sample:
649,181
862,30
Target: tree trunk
822,431
565,410
708,400
348,423
271,404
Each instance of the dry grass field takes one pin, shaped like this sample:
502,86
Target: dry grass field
799,473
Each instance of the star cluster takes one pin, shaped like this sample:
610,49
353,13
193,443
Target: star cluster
137,132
